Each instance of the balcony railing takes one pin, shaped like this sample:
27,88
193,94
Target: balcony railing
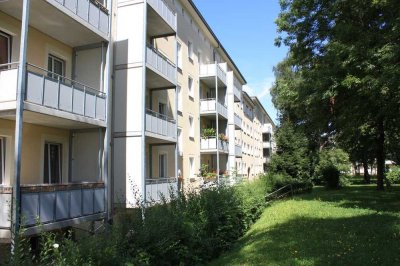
160,124
53,91
164,11
51,203
210,144
238,151
237,90
211,105
160,188
266,144
212,70
161,64
237,121
90,11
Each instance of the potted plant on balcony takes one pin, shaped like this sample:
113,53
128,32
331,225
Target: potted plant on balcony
206,135
223,140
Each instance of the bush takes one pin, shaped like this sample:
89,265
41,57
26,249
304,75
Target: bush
333,165
189,230
393,176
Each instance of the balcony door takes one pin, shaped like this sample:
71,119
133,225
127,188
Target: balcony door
162,165
55,66
5,48
52,163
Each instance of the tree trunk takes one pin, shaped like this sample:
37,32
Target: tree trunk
380,156
367,177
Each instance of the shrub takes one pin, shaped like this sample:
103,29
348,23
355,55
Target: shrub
333,165
189,230
393,176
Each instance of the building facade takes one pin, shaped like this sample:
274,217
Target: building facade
117,102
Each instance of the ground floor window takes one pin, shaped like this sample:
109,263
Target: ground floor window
191,166
2,159
52,163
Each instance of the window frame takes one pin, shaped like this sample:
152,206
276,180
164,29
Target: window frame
191,166
53,74
180,140
47,172
180,98
9,45
164,163
190,51
191,126
191,87
179,55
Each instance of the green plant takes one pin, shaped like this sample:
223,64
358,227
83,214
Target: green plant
223,137
332,166
208,133
393,175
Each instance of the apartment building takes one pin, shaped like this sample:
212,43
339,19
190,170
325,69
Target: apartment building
54,121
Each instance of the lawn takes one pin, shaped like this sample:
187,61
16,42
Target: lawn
356,225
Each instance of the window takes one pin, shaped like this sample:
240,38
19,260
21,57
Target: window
56,66
190,87
162,165
190,50
52,163
198,57
191,127
191,166
179,55
180,103
180,141
2,159
5,48
162,108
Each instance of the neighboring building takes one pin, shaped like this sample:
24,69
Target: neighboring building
54,87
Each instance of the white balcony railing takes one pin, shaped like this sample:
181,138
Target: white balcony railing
160,124
210,144
90,11
238,151
238,121
54,203
211,105
267,128
212,70
160,188
164,11
161,64
266,144
50,90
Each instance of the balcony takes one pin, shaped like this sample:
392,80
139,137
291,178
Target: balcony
238,121
209,145
55,206
209,72
160,126
54,95
210,106
238,151
158,189
161,18
74,22
266,145
162,72
267,128
237,90
5,211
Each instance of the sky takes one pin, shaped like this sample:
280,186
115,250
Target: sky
247,32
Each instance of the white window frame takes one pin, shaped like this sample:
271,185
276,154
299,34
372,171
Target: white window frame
180,98
2,159
60,162
54,58
8,45
180,141
190,50
191,86
163,157
179,55
163,112
191,166
191,126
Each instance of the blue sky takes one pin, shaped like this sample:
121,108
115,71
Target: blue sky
247,32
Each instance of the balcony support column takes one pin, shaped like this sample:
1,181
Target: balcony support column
216,117
16,200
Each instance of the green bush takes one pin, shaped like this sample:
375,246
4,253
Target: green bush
333,165
393,175
189,230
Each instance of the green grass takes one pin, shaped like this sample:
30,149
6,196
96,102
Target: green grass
356,225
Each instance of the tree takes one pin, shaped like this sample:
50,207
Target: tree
345,54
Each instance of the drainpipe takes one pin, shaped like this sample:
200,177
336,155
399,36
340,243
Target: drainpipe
16,200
